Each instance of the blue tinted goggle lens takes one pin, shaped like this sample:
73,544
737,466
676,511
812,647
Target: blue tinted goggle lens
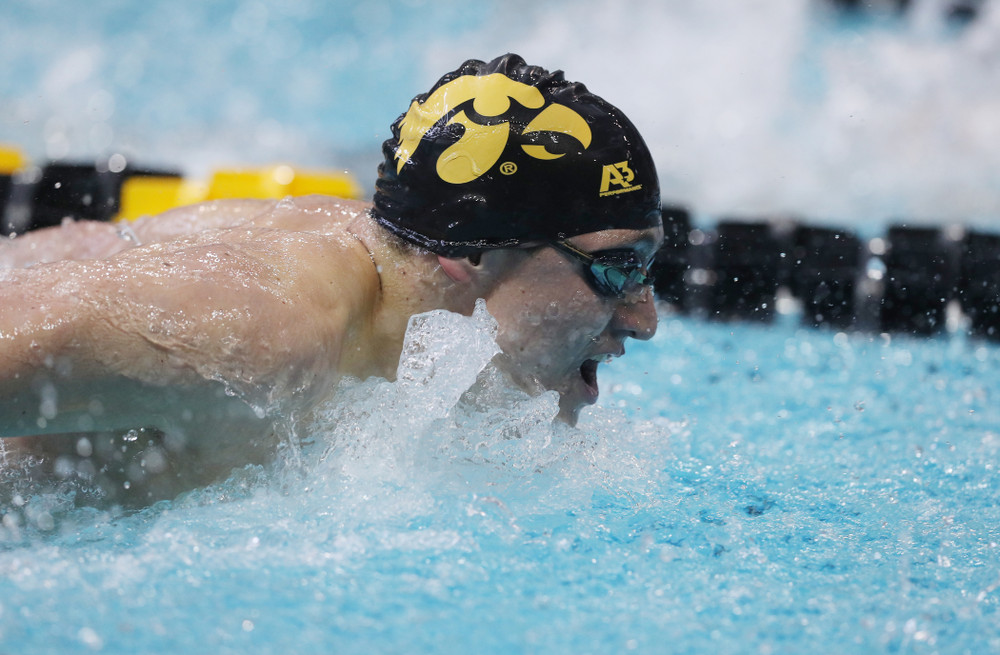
618,273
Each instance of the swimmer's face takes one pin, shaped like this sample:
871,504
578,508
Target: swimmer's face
555,328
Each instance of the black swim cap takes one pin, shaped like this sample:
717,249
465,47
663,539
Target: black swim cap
501,154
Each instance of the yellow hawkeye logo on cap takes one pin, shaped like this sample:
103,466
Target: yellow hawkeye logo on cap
481,145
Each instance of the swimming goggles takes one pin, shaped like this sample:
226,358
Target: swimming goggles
617,273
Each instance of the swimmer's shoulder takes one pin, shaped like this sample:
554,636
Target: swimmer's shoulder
313,213
200,217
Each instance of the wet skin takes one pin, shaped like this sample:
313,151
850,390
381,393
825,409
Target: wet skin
555,328
274,301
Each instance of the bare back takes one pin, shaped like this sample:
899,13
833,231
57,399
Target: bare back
203,323
95,240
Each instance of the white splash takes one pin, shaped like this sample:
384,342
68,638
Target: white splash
453,422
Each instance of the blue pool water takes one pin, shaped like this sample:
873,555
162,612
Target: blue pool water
759,490
739,489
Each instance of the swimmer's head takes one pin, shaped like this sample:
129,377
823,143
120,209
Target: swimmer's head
500,154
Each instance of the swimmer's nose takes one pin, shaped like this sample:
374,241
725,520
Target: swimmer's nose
636,319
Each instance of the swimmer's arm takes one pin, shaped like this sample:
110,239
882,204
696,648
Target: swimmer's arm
141,339
47,402
53,381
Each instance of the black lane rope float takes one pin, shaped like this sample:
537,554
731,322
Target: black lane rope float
912,280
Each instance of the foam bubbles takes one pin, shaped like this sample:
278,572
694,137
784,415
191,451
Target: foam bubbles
452,422
438,349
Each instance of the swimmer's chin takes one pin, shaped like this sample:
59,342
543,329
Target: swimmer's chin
569,415
570,408
570,404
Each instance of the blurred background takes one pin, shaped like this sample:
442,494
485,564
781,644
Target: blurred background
846,113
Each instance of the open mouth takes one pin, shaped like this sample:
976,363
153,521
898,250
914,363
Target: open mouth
588,371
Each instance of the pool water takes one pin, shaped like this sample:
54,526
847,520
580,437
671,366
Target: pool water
739,489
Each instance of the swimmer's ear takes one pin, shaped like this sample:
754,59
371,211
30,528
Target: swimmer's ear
460,270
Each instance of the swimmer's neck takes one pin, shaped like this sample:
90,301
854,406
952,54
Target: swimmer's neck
407,284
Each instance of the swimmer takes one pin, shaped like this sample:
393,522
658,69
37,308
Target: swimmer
505,182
